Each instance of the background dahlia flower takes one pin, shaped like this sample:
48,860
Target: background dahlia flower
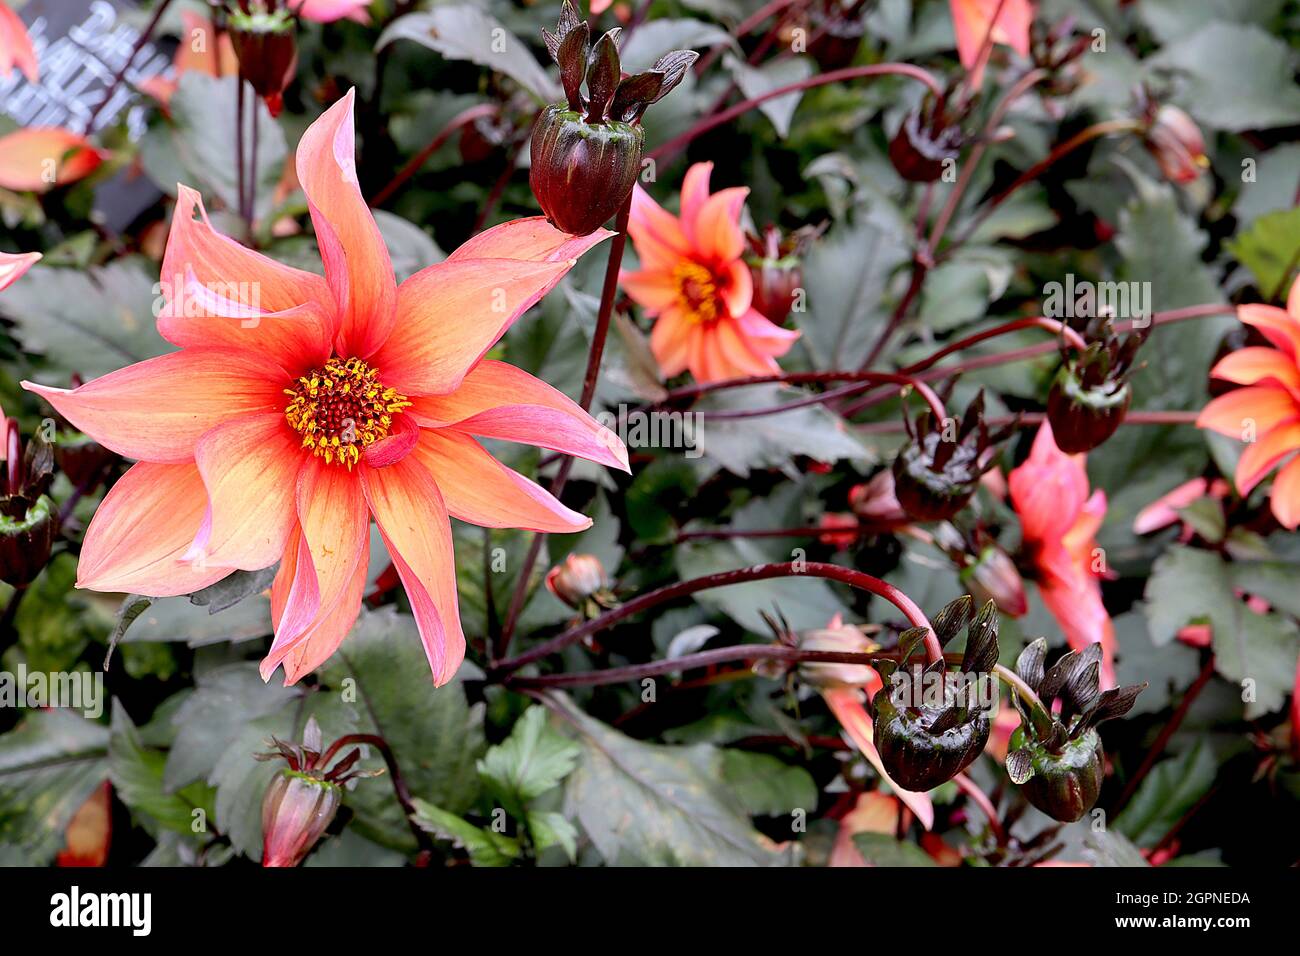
298,408
1265,413
1058,523
695,282
973,20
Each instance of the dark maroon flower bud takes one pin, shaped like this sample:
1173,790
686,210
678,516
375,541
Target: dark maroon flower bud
262,33
1091,393
586,153
28,519
301,801
921,150
930,724
776,267
937,472
836,29
1056,753
1175,141
992,576
82,459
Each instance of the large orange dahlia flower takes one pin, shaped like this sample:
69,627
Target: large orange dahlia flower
1266,411
695,281
300,407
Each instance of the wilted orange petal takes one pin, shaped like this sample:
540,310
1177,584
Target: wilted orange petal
413,521
357,264
13,266
156,410
450,314
41,158
250,468
479,489
140,530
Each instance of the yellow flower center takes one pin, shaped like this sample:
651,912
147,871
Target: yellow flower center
697,292
341,408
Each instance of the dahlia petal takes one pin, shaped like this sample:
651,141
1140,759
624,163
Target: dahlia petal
399,443
1262,454
206,276
37,159
1261,407
357,265
15,46
157,410
319,563
716,231
1164,510
479,489
735,357
773,339
656,233
670,339
250,469
315,645
451,313
695,193
737,287
1048,489
1285,495
1077,607
295,600
846,704
1256,363
652,290
13,266
497,400
533,239
142,529
413,521
1277,325
320,642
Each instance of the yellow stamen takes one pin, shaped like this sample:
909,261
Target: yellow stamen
697,292
341,409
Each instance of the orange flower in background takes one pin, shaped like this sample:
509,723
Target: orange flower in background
972,21
300,406
15,46
1266,412
1058,523
694,281
39,158
13,266
90,831
199,50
